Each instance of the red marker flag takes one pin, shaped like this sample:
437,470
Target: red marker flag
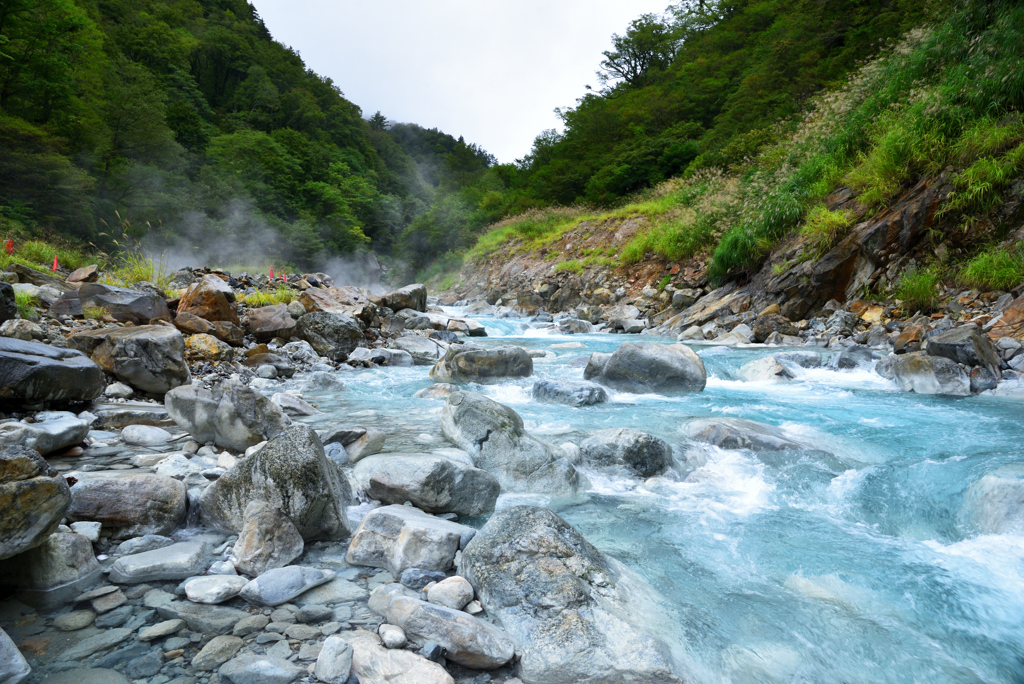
9,245
54,262
271,272
285,276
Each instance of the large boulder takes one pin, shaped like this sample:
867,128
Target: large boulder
738,433
569,393
175,562
643,454
211,299
644,367
123,304
341,300
332,335
33,373
930,375
995,503
47,436
424,351
966,345
466,640
33,499
435,484
267,322
290,473
224,331
268,539
576,615
13,666
409,297
400,537
494,436
8,306
63,561
150,358
372,663
280,585
231,415
482,365
767,324
130,505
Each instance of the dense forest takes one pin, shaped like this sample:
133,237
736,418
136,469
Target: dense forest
185,121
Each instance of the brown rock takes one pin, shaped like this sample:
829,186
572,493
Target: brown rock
1012,322
86,274
770,323
268,540
33,499
909,340
131,506
268,322
205,347
226,331
211,299
190,324
343,300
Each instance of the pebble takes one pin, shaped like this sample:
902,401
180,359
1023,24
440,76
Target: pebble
248,625
115,618
110,601
281,649
217,652
78,619
161,629
392,636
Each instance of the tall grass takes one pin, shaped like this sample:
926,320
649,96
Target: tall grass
997,268
26,304
919,291
281,295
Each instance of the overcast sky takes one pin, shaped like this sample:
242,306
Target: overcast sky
489,70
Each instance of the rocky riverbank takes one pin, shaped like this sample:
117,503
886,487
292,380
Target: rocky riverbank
177,508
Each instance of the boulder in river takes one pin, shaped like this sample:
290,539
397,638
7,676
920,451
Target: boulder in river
432,483
211,299
995,503
268,539
930,375
332,335
966,345
231,415
643,454
569,393
644,367
124,304
290,473
576,615
466,640
130,505
33,499
409,297
482,365
739,433
150,358
32,373
494,436
401,537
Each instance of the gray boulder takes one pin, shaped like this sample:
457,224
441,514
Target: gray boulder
268,322
13,666
766,369
965,345
334,663
852,357
33,499
569,393
494,436
424,351
150,358
574,326
432,483
738,433
332,335
409,297
257,669
268,539
643,367
200,617
576,615
64,561
372,663
33,373
401,537
130,505
643,454
290,473
930,375
383,356
466,640
124,304
482,365
232,415
45,437
174,562
281,585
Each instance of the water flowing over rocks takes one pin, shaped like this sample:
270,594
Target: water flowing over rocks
150,358
482,365
643,454
494,435
569,608
645,367
995,503
32,374
231,415
33,499
433,483
931,375
292,474
739,433
569,393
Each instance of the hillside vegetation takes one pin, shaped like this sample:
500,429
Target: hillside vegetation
947,94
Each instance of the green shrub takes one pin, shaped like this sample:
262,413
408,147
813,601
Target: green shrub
824,228
573,266
997,268
26,304
919,291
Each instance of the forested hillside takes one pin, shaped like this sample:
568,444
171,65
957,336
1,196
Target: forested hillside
185,121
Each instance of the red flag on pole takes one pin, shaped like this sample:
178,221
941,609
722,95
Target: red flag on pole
54,262
271,272
9,245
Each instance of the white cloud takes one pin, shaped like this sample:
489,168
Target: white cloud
490,70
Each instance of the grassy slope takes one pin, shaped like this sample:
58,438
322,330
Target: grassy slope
945,95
